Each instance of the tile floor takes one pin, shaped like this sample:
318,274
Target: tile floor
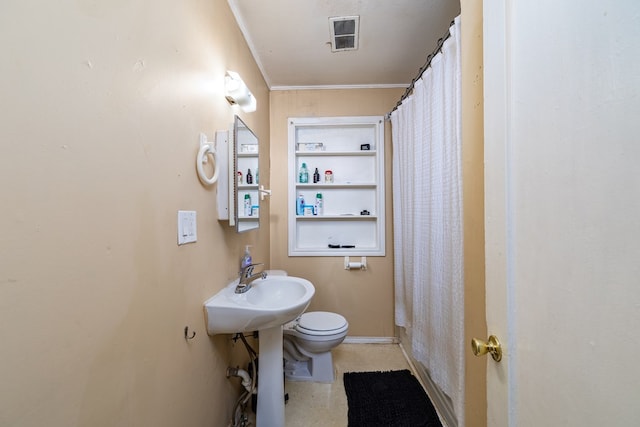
325,405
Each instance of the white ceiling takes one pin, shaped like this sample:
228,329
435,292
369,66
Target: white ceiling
290,40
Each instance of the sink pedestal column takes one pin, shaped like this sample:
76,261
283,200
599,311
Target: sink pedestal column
270,411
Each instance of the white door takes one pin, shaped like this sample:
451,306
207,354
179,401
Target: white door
562,158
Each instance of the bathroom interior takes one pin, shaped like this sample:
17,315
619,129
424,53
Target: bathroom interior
97,298
101,310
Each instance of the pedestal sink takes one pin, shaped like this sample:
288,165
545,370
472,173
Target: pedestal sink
269,304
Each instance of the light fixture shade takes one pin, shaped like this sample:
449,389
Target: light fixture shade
237,92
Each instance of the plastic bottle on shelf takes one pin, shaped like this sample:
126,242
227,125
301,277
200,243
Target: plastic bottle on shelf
319,210
300,205
303,176
239,177
257,176
328,176
247,205
249,177
316,176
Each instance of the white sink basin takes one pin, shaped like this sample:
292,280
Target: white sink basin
270,302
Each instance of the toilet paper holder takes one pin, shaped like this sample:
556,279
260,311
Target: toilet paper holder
349,265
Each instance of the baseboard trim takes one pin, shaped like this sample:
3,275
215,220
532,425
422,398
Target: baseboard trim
370,340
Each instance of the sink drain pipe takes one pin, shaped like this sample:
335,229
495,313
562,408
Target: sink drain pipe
239,418
241,373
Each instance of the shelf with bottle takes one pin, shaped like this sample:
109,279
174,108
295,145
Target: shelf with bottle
249,211
247,179
341,158
248,207
337,171
337,203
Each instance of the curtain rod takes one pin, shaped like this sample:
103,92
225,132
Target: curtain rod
421,71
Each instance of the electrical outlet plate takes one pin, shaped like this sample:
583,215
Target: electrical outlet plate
187,232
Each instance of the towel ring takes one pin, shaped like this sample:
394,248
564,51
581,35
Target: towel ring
205,150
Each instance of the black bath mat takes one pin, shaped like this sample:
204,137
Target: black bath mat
388,399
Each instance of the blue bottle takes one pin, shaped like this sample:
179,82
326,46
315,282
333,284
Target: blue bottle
303,175
300,205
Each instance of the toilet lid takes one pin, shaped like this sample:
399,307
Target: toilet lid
320,321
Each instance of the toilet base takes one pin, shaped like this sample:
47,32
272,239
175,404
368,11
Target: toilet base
318,368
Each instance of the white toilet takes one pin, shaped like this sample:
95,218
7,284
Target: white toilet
308,342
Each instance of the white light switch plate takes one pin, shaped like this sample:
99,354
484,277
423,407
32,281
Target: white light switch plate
187,227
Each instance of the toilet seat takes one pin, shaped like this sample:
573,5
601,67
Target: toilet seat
321,323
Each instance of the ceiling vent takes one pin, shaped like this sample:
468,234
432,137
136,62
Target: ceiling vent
344,33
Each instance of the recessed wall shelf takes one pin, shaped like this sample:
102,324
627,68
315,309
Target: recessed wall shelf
352,220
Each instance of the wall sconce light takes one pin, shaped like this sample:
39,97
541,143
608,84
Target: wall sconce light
237,92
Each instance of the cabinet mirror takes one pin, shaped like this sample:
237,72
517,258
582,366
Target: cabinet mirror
246,200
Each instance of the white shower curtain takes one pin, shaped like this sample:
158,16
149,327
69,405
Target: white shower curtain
427,208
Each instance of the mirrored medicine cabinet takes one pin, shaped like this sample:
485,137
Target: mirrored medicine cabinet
246,178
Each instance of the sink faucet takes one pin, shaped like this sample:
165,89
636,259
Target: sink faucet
247,277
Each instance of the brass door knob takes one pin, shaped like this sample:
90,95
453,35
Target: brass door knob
480,348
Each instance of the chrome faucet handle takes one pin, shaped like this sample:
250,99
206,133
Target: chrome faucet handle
247,277
256,264
247,271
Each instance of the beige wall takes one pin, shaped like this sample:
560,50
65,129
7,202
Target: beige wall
473,200
102,104
365,298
